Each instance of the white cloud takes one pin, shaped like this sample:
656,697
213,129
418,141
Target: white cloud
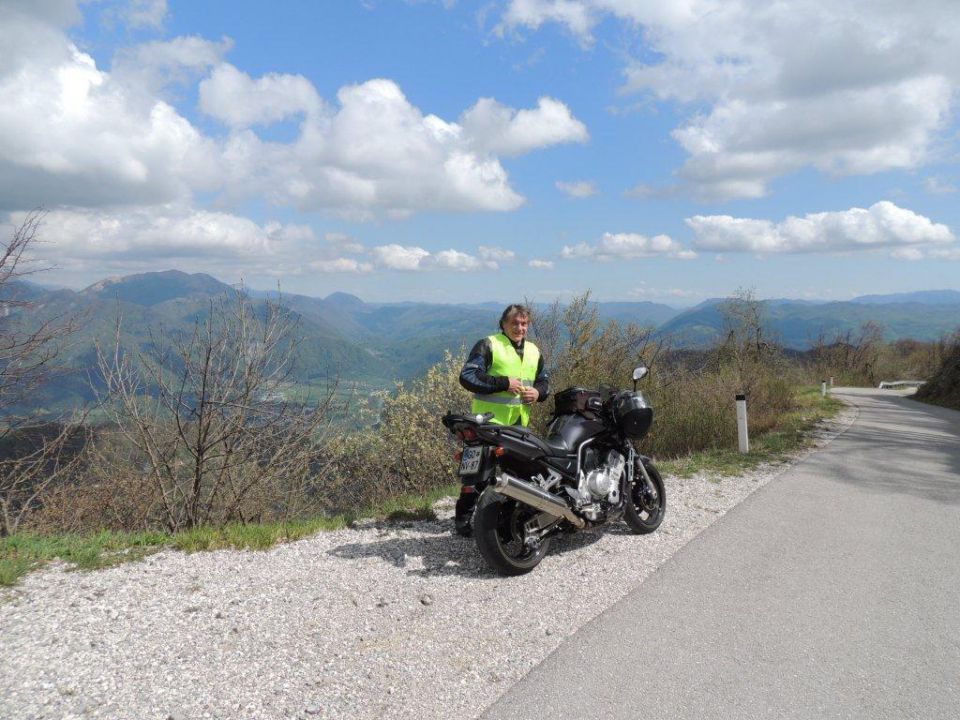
847,88
144,13
883,225
414,259
71,134
494,128
341,265
377,154
75,134
343,243
150,67
579,17
495,254
238,100
938,186
398,257
459,261
170,231
538,264
579,189
625,246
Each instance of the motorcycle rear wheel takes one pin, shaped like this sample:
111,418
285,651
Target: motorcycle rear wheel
645,507
498,530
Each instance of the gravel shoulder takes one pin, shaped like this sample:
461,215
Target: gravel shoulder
385,620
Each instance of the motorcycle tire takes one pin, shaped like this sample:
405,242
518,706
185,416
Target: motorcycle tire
498,530
644,507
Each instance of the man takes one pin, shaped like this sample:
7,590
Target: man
505,373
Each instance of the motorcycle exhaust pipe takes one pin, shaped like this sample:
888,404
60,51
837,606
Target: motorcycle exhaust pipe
527,492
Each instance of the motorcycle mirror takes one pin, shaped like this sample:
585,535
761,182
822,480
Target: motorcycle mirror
639,373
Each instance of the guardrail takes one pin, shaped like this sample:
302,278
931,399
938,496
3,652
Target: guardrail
896,384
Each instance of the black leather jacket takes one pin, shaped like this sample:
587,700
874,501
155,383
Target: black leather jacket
475,376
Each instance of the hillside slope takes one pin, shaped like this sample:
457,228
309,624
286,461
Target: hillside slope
944,387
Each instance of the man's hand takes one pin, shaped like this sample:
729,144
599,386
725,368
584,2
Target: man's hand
516,386
529,394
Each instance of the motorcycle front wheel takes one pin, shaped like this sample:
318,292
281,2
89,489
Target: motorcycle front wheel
498,525
645,506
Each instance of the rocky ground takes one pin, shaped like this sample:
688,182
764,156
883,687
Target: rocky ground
384,620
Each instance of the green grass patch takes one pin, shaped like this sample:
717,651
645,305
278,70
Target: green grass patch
791,433
21,553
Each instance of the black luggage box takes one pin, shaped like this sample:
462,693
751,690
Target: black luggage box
632,414
578,400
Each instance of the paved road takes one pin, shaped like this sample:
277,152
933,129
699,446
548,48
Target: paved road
833,592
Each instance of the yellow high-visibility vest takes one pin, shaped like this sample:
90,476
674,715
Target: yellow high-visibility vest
506,407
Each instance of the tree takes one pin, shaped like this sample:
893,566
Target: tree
745,344
211,419
34,455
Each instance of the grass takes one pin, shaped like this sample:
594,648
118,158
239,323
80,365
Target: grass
791,434
22,553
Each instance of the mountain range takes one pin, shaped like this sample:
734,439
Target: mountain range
377,343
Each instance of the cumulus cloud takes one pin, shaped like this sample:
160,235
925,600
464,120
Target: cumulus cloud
172,230
238,100
494,128
847,88
414,259
538,264
150,67
495,254
399,257
73,133
378,154
883,225
579,189
144,13
341,265
343,243
626,246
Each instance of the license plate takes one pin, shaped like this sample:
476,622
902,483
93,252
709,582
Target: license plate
470,462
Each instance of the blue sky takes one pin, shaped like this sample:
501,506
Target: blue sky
458,151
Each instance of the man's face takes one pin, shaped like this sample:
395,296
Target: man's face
515,327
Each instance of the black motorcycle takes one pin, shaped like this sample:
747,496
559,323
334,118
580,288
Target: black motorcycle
584,474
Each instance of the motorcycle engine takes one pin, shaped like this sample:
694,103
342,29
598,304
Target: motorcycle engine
603,483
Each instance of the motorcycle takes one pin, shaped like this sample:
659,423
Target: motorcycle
584,474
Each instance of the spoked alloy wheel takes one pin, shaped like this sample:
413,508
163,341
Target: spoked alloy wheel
498,527
645,505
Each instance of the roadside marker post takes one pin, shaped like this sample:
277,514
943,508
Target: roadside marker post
823,389
742,434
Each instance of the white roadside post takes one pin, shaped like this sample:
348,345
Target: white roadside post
742,434
823,389
831,382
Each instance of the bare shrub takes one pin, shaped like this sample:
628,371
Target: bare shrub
207,424
36,454
408,450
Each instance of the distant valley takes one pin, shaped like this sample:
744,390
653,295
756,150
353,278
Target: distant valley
375,344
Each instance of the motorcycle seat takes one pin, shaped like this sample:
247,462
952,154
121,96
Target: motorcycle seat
553,446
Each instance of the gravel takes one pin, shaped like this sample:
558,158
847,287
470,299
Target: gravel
383,620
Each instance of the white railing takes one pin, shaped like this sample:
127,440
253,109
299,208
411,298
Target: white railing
895,384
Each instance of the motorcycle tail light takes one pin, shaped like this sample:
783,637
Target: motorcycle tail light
458,455
469,434
458,435
499,452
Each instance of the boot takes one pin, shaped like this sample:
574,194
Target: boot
463,513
